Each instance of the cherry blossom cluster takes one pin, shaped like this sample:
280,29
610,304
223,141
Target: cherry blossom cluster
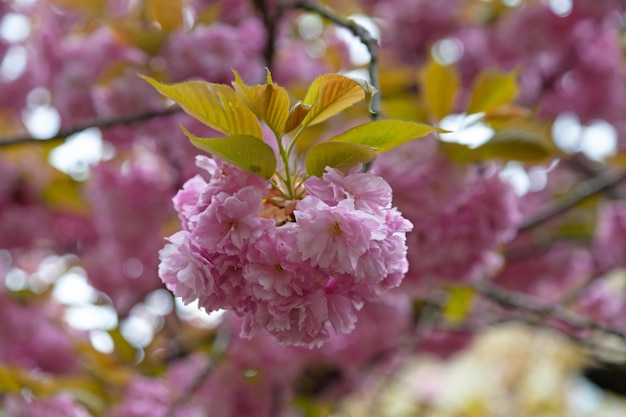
298,272
461,215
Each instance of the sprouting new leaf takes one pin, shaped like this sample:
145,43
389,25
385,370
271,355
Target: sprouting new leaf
440,85
269,102
331,93
245,151
340,155
296,116
384,135
492,88
215,105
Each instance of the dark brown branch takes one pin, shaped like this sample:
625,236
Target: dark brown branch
526,303
218,349
357,30
578,163
191,390
598,184
270,21
102,123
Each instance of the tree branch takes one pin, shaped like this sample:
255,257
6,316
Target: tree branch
595,185
190,391
527,303
269,21
218,349
578,163
357,30
102,123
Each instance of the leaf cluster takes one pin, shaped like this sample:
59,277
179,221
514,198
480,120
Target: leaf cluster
238,112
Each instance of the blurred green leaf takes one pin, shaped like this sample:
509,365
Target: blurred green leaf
459,304
122,348
9,379
524,142
440,85
492,88
167,14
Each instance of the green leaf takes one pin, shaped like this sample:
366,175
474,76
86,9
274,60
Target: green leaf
524,142
215,105
331,93
458,153
338,155
384,135
268,101
492,88
440,85
458,304
247,152
9,379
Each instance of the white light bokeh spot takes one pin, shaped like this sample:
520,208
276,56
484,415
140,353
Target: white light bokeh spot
447,51
42,122
561,7
14,27
101,341
14,63
597,140
197,316
466,129
358,52
91,317
73,288
79,152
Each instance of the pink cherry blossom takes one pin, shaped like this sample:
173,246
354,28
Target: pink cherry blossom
231,222
33,339
461,214
62,405
300,279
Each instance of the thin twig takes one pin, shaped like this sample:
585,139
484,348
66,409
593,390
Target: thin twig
581,165
584,190
357,30
190,391
101,123
218,349
527,303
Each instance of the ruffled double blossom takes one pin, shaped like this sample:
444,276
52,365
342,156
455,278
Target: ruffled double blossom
295,244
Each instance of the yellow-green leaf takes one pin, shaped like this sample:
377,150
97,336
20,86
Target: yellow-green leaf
340,155
269,102
522,142
384,135
168,14
215,105
331,93
458,304
458,153
492,88
9,379
440,85
247,152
